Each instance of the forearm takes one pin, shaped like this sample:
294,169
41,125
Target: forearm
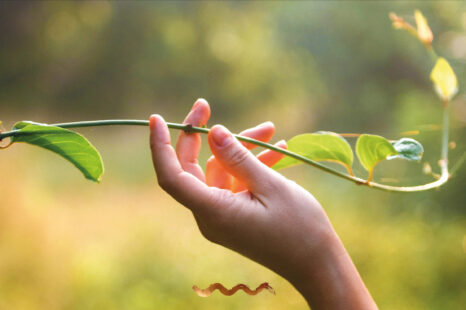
330,279
274,222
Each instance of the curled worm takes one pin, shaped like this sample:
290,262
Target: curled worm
218,286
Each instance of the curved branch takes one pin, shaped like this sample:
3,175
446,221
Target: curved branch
188,128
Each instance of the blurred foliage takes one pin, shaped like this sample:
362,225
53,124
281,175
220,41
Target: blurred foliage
307,66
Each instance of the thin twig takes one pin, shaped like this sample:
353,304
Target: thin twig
443,179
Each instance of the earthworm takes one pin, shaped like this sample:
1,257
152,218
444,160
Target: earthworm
208,291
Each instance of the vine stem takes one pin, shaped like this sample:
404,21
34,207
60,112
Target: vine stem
188,128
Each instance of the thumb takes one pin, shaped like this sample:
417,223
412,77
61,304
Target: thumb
239,162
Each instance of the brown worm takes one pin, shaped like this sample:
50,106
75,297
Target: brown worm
218,286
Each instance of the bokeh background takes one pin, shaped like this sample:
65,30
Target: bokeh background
67,243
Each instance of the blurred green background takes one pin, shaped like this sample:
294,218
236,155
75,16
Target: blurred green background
66,243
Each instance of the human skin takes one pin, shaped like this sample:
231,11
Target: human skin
242,204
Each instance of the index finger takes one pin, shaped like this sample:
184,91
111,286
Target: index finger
262,132
189,144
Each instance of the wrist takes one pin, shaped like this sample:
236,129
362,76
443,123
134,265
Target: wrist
329,279
317,257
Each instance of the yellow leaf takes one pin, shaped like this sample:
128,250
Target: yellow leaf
423,31
444,79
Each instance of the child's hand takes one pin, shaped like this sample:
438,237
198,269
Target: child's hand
252,209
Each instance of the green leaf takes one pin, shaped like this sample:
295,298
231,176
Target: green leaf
68,144
320,146
408,149
372,149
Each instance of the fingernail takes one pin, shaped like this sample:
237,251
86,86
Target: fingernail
265,124
221,136
152,121
158,122
282,144
197,103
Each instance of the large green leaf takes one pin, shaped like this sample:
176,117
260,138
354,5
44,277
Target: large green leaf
68,144
408,149
372,149
321,146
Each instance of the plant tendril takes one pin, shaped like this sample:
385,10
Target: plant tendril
359,181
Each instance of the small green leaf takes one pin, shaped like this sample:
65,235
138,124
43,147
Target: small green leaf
408,149
372,149
321,146
68,144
